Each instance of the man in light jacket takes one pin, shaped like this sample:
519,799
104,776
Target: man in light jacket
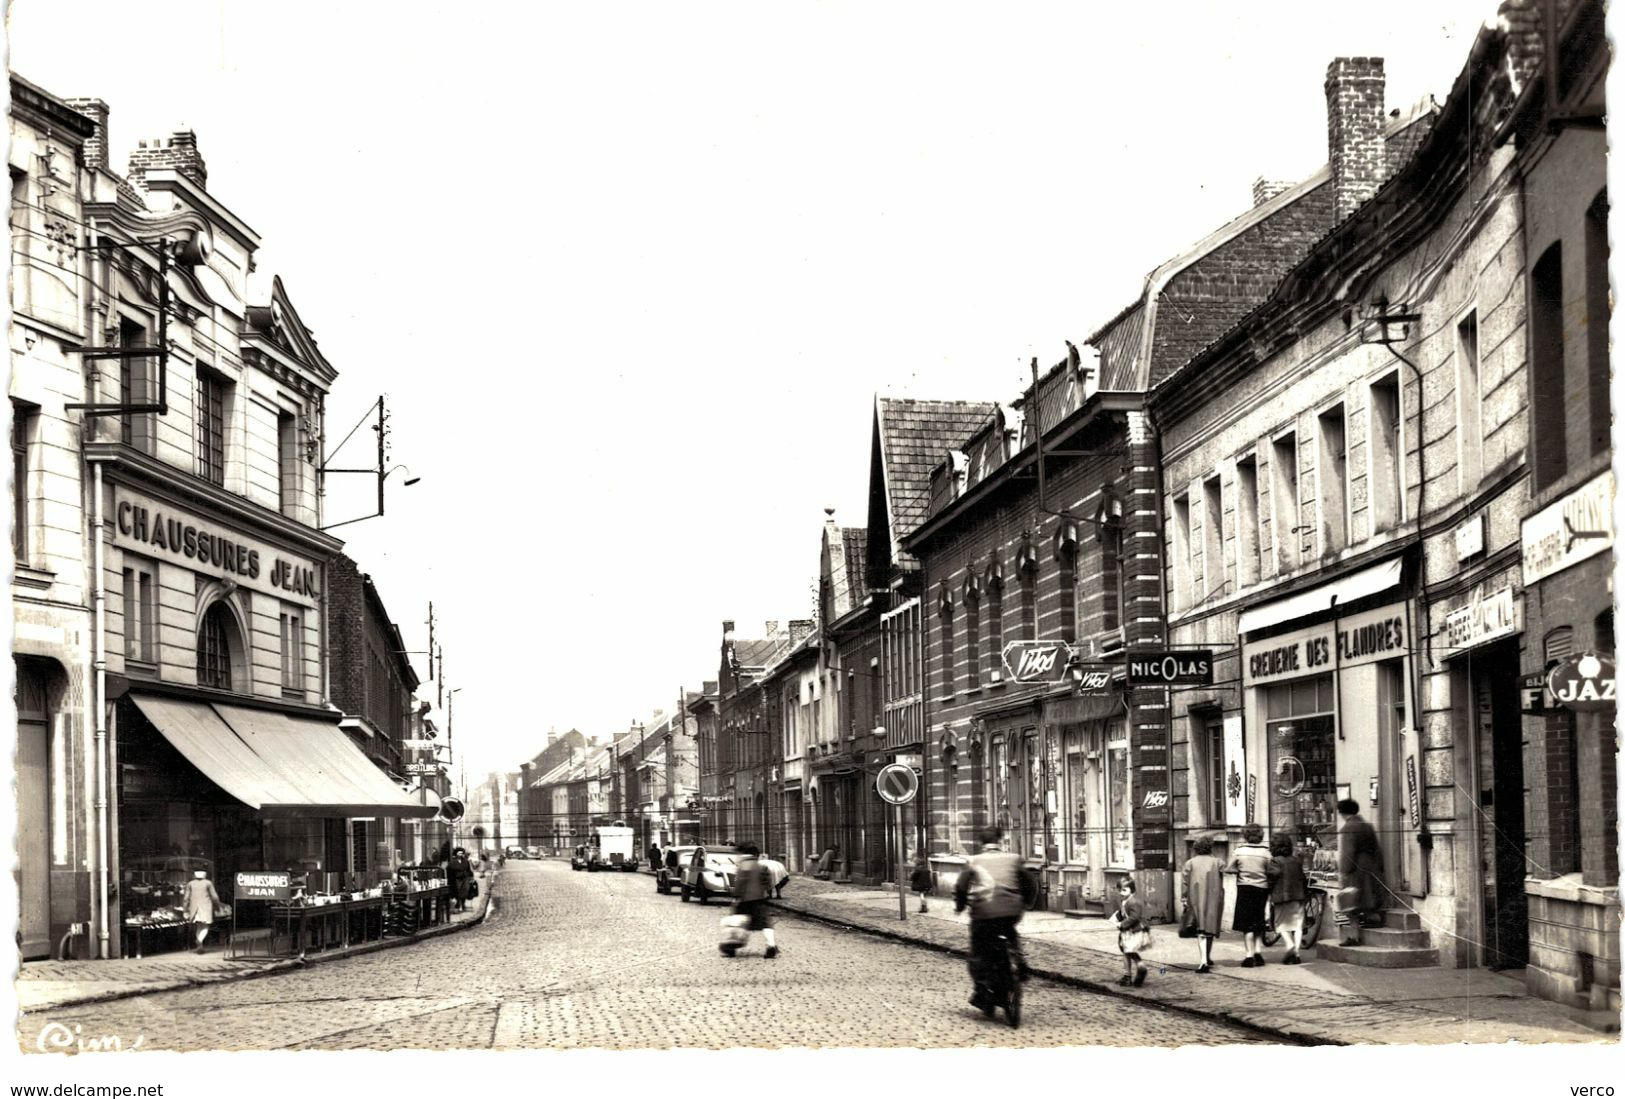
997,887
200,899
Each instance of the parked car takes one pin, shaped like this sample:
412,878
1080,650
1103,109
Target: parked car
516,853
582,858
710,873
667,878
533,852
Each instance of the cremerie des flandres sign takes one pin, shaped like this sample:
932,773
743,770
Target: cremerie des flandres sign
156,529
1359,639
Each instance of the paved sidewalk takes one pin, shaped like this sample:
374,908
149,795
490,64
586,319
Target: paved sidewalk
1319,1001
45,985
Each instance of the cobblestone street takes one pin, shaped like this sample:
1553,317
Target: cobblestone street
571,960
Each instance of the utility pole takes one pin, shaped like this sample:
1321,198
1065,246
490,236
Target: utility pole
431,641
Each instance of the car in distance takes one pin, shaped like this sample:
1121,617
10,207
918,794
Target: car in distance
515,853
710,873
581,858
674,860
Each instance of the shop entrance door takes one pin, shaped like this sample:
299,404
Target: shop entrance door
1498,727
34,833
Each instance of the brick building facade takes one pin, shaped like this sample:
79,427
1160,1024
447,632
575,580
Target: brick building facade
1567,534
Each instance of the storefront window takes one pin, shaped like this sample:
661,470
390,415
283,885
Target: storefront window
1034,816
1119,818
1001,784
1301,731
1077,822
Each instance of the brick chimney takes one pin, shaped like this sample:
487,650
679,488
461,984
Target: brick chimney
772,628
800,630
95,147
1524,24
179,152
1355,116
1266,189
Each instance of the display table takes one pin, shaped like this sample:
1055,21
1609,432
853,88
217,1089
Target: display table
149,933
311,928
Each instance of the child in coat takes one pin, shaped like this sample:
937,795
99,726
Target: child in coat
922,881
1133,934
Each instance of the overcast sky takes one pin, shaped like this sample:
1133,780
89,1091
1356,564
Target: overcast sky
631,274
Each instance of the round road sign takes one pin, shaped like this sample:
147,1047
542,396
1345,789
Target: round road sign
897,783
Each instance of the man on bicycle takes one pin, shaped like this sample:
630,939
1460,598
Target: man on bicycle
997,887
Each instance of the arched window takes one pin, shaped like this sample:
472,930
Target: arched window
217,634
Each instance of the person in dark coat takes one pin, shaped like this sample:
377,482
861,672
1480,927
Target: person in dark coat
1203,892
459,873
922,881
654,856
1359,873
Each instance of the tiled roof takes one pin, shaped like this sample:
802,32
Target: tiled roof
855,540
761,652
1195,297
913,436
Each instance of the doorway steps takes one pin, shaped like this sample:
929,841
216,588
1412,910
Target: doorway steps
1089,910
1400,943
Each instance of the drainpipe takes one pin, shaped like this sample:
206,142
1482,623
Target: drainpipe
99,901
99,897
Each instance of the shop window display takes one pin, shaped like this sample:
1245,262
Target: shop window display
1120,820
1077,824
1301,731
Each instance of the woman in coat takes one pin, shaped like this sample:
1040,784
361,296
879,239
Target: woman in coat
1203,891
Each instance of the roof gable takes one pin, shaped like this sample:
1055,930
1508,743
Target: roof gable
910,438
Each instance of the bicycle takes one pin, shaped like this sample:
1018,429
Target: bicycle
1314,909
1008,973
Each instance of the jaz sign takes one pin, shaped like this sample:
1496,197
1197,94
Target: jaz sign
1037,661
1583,683
1168,669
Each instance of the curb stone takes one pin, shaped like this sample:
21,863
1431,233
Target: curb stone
1298,1037
285,965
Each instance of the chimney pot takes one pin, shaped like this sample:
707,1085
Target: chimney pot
772,627
1266,189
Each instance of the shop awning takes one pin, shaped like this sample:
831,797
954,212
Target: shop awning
1344,590
278,764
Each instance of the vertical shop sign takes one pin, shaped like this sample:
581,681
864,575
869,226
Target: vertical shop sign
1252,797
1235,766
1411,792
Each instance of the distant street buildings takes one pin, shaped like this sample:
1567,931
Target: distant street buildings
1324,515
